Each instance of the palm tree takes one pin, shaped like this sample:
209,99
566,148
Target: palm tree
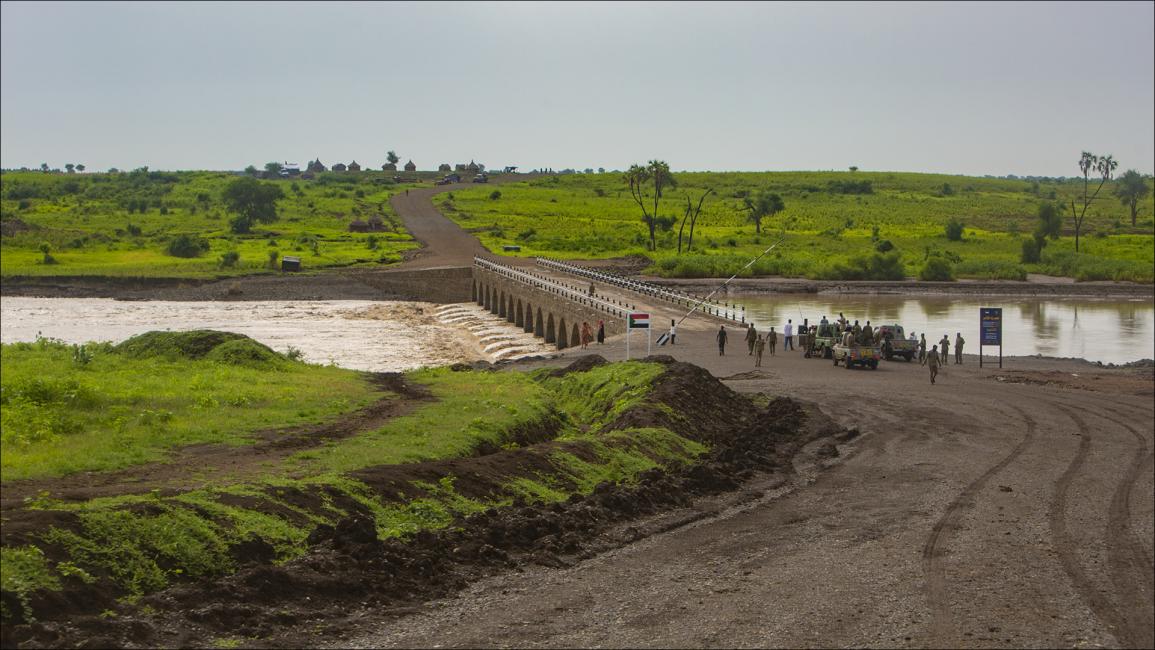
765,204
637,177
1103,166
1131,189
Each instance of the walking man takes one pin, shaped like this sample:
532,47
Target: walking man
759,346
721,340
922,349
772,340
958,345
932,363
751,338
788,336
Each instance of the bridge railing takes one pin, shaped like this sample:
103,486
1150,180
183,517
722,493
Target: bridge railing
724,311
570,292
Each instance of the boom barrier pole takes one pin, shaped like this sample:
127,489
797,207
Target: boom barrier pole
748,265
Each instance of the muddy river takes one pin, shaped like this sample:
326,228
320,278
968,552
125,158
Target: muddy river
362,335
391,336
1110,331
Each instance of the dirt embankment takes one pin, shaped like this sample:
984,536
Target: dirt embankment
348,567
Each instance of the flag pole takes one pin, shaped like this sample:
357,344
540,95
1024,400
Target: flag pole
723,286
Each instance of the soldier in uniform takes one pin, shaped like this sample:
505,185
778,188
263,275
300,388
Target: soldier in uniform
721,340
759,346
922,349
958,345
932,363
751,337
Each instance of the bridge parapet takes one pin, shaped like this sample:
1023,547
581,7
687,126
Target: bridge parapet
542,306
721,310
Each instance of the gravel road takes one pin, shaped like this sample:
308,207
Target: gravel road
978,512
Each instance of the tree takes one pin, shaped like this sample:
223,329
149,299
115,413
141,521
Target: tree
70,167
765,204
80,168
1103,167
854,168
638,177
954,230
392,157
691,214
251,170
1130,190
273,168
44,167
252,201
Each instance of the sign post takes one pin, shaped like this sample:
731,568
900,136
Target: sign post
991,331
637,321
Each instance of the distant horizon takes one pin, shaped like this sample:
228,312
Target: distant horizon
566,171
956,88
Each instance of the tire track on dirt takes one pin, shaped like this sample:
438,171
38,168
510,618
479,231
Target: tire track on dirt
1065,546
1127,560
935,547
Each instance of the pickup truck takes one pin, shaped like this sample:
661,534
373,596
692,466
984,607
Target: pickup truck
856,355
899,346
824,339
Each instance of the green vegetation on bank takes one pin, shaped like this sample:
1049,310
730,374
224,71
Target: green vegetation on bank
68,408
837,225
141,542
182,224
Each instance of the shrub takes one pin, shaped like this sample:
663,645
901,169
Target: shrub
273,256
495,195
187,246
936,269
876,266
1031,253
244,352
884,246
954,230
229,259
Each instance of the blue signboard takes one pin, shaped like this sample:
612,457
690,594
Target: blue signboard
991,326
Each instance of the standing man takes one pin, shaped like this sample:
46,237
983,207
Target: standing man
922,350
945,343
932,363
759,346
788,336
751,338
772,340
673,330
721,340
958,345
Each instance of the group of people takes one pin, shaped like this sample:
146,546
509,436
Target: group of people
849,334
587,334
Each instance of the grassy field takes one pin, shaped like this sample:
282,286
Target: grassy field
130,403
833,226
121,224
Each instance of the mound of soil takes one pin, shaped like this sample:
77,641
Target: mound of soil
348,567
195,344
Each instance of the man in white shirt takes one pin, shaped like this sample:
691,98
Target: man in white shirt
788,336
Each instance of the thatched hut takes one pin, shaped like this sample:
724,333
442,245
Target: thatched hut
410,167
389,167
339,167
444,167
354,167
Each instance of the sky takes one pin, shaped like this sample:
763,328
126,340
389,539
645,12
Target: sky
961,88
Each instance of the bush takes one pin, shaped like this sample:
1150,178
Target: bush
877,266
495,195
954,230
187,246
273,257
244,352
884,246
936,269
229,259
1031,253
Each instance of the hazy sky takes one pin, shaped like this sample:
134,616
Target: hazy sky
966,88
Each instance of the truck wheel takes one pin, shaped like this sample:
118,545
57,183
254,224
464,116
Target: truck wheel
909,358
827,353
874,365
849,364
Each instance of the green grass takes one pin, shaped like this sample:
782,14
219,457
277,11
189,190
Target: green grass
86,222
61,416
143,542
592,216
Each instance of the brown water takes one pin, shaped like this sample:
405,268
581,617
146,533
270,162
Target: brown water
362,335
1110,331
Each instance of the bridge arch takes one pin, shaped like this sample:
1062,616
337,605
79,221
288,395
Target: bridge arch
575,337
519,315
473,290
510,315
562,336
501,304
539,325
488,297
528,322
550,334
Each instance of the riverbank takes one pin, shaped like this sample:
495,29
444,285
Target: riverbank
451,285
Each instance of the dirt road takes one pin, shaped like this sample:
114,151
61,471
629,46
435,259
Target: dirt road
974,513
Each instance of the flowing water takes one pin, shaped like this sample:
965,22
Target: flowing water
361,335
1109,330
